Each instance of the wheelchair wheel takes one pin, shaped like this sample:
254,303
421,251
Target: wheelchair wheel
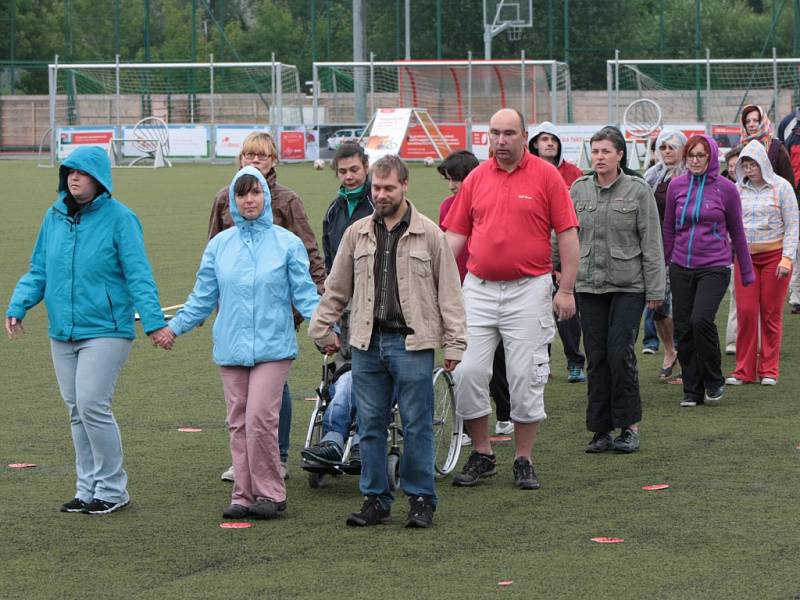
447,427
393,471
317,480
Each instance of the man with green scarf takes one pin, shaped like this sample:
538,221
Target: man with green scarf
353,202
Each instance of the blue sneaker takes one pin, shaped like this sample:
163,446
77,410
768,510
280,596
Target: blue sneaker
576,374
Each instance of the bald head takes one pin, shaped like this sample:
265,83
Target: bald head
508,137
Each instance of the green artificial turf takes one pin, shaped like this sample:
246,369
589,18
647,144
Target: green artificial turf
727,527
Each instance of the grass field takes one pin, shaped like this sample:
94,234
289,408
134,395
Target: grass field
727,527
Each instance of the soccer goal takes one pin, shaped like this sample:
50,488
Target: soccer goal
105,101
704,90
462,91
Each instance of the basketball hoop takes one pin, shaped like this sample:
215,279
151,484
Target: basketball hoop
642,118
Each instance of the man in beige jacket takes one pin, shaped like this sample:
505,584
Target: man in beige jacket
401,281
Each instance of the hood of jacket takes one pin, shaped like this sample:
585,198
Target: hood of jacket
264,220
549,128
712,172
660,171
93,161
756,151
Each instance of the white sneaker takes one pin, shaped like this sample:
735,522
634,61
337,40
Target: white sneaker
284,471
733,381
769,381
647,350
504,427
730,349
466,440
228,475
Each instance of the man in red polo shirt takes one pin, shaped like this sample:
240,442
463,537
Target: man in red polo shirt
508,207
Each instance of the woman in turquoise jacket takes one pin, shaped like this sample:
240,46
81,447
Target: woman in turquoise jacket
254,272
90,267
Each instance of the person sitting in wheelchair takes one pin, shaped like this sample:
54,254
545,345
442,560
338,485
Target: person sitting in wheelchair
338,421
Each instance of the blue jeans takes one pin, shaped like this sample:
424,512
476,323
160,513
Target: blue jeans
87,373
285,423
650,339
377,372
341,412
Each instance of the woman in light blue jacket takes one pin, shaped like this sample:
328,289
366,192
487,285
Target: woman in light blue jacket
254,272
90,267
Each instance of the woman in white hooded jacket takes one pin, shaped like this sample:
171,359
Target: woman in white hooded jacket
770,218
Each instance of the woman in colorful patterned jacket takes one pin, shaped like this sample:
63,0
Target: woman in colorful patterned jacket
769,213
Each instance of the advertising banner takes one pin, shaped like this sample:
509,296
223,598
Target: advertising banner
189,141
726,136
293,144
70,138
388,132
417,146
228,139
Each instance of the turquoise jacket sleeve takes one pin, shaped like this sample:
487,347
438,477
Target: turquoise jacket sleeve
138,274
30,288
303,291
204,297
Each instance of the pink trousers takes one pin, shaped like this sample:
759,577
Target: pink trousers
253,395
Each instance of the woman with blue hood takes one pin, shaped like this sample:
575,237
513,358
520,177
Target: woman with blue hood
254,273
702,227
90,267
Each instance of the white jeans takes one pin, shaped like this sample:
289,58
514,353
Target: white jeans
520,314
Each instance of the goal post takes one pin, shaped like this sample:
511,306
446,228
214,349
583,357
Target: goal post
460,91
706,90
119,95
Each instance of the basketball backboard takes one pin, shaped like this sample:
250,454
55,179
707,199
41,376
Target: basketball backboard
501,14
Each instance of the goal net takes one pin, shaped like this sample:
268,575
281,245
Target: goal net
452,92
712,91
178,93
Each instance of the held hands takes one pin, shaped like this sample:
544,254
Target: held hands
14,328
450,364
654,304
163,338
333,348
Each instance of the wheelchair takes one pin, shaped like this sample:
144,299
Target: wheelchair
447,430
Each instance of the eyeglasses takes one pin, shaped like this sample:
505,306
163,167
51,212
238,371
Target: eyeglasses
252,155
696,157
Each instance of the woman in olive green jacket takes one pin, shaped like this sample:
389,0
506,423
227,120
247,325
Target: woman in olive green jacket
621,269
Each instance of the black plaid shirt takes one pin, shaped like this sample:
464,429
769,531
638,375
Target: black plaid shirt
387,311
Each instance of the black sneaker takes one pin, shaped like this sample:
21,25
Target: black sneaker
103,507
371,513
326,453
420,512
478,466
601,441
627,441
524,475
75,505
235,511
264,508
355,456
714,396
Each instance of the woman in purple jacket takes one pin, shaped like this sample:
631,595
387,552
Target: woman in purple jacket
703,217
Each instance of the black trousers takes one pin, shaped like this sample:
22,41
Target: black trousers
610,324
696,295
498,386
570,333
